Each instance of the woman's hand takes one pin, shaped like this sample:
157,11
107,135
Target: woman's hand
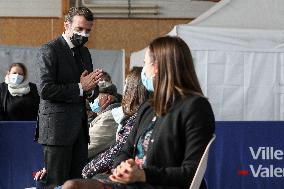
128,172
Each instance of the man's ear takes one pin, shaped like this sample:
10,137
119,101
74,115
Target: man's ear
66,25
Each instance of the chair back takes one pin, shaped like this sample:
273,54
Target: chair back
200,171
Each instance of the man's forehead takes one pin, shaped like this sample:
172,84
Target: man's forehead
79,21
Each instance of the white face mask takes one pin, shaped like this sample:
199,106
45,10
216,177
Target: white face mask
117,114
16,78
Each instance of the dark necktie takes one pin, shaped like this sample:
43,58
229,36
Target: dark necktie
78,58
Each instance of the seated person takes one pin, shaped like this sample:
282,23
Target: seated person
17,95
172,128
103,128
91,115
133,96
106,77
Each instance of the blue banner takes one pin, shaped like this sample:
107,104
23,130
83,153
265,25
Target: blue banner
247,155
20,156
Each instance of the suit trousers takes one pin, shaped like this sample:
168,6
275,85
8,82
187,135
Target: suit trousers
65,162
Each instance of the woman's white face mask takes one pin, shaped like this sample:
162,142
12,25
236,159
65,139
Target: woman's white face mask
16,78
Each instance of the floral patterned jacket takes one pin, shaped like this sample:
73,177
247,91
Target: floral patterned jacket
104,161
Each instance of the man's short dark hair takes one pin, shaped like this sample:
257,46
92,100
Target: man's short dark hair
80,11
106,87
105,76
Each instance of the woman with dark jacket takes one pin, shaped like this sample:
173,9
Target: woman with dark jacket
172,130
19,99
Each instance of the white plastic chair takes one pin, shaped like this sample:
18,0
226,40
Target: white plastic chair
200,171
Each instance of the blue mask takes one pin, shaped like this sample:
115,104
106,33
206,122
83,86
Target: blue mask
95,106
16,79
148,83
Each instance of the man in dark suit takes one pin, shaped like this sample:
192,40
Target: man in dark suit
66,80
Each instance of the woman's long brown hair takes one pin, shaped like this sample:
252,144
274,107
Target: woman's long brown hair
176,75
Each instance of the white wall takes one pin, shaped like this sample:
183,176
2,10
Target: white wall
166,9
30,8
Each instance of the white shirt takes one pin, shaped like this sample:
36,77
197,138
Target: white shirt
70,44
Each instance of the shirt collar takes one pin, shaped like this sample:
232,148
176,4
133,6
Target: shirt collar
70,44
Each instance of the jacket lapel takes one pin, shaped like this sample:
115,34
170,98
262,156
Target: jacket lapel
68,55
